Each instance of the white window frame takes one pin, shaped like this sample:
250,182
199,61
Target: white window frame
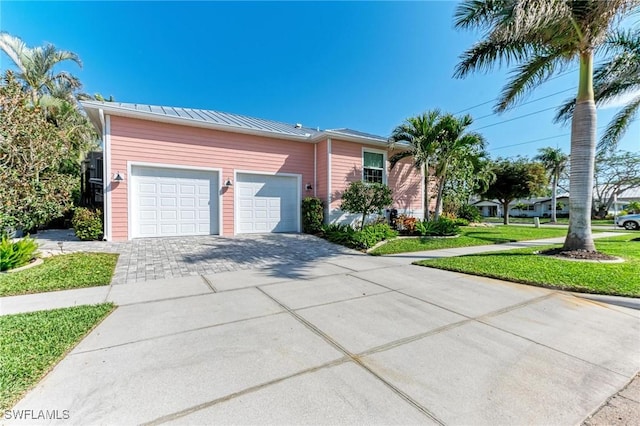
384,162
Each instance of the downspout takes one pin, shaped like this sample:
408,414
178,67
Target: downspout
315,170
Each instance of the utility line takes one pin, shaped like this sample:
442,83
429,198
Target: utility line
495,99
516,118
528,102
545,139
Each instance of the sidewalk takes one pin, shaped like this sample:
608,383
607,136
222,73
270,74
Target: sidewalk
161,289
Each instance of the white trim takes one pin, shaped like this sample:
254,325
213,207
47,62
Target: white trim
131,164
385,176
298,177
328,177
107,184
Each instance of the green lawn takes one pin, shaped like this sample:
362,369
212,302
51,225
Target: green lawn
61,273
470,236
32,343
524,266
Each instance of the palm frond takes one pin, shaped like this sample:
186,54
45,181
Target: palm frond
618,126
529,75
15,49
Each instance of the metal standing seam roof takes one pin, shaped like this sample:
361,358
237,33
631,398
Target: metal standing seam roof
350,132
227,119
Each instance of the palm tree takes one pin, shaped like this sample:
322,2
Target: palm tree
555,162
418,135
36,66
618,76
544,37
455,147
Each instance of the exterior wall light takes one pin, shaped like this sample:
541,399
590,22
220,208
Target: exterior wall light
308,187
117,177
228,183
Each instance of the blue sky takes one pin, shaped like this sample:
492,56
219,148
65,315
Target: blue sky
362,65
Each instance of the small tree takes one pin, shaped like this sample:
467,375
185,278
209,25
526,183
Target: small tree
365,199
516,179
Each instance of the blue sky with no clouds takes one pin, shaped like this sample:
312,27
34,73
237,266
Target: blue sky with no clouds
363,65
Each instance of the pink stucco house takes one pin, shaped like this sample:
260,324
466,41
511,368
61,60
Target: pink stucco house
178,171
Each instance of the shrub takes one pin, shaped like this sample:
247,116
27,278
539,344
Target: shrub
312,215
470,213
460,221
365,199
366,238
16,254
443,227
87,224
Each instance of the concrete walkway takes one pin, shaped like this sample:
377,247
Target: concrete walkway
344,339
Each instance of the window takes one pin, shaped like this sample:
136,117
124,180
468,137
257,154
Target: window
373,167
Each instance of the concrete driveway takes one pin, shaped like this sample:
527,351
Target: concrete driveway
344,339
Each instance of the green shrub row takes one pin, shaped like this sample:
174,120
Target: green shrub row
16,254
87,224
363,239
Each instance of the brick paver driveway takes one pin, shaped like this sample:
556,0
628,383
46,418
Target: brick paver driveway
157,258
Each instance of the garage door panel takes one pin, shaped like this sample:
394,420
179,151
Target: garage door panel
173,202
262,203
168,202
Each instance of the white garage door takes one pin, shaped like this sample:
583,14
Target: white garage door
173,202
267,203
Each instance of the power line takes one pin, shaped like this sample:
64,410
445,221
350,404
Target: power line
516,118
546,138
495,99
528,102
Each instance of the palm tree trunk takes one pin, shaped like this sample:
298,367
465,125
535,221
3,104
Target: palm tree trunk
583,151
426,190
440,192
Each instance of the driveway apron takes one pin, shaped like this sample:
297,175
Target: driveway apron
340,338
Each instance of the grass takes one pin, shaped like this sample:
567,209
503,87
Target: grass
32,343
524,266
62,272
470,236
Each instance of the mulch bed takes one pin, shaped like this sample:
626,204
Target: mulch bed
577,254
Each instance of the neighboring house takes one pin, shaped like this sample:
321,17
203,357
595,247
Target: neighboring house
179,171
621,201
526,207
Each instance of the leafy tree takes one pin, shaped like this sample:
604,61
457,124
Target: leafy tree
365,199
421,137
555,162
515,179
615,174
618,76
32,188
544,37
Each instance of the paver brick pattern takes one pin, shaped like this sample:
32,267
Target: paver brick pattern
158,258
